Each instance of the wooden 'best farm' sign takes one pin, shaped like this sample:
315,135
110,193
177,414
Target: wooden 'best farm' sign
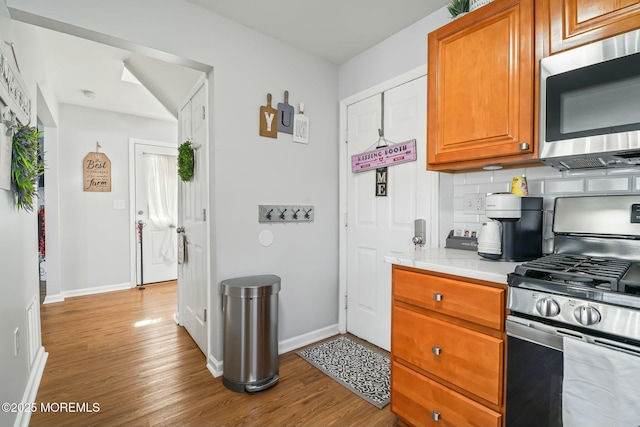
96,172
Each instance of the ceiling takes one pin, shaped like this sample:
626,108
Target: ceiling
335,30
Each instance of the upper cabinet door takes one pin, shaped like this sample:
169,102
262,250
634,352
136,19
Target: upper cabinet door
480,91
576,22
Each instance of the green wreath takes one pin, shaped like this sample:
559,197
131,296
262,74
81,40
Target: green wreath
185,161
27,165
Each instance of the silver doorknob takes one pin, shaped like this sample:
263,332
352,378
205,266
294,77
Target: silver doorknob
417,240
180,230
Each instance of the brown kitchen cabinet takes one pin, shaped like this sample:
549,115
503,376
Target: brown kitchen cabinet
480,88
447,349
565,24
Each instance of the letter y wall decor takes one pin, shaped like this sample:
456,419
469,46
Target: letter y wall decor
284,120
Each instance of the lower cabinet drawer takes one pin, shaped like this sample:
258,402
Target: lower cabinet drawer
423,402
469,359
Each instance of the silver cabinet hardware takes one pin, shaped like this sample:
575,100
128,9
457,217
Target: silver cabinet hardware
435,415
436,350
523,146
437,297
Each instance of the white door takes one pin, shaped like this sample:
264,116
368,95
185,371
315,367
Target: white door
158,254
378,226
193,273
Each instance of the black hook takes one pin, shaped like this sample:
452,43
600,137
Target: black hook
269,214
282,213
306,213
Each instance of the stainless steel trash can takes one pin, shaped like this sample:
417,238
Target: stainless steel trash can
250,323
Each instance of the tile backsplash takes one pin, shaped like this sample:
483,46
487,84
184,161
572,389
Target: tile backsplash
542,181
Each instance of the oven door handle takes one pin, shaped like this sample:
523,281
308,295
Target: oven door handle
549,336
535,332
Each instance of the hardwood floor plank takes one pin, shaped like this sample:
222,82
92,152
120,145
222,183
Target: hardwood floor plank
123,351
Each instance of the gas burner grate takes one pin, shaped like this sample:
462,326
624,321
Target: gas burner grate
577,269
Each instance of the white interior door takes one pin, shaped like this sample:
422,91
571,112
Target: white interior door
378,226
193,273
158,241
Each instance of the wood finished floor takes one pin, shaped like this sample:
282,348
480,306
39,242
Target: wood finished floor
153,374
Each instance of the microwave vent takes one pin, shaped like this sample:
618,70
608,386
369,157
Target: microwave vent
583,163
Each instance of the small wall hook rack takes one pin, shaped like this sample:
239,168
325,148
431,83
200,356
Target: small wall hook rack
288,213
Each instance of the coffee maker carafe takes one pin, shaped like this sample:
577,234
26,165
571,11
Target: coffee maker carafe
520,219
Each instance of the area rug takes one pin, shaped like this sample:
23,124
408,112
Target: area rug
361,369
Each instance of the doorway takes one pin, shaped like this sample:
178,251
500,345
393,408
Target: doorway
154,211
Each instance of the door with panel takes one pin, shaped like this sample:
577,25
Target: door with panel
156,200
379,226
193,273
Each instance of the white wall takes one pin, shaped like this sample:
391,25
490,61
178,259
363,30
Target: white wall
19,278
247,169
396,55
94,237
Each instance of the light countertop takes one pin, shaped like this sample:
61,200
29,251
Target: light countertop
455,262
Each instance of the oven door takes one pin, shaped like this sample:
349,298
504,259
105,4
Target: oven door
536,365
534,374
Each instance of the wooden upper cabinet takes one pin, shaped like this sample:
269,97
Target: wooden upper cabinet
480,91
571,23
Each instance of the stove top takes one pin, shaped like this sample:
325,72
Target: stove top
590,278
577,270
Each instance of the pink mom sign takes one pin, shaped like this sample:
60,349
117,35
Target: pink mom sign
385,156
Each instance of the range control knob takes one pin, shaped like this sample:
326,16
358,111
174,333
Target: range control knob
547,307
586,315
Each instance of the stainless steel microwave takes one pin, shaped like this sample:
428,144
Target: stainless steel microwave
590,105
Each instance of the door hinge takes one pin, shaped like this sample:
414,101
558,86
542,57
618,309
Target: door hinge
203,112
205,314
204,214
346,219
346,301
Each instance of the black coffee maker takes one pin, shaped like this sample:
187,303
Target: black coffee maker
520,221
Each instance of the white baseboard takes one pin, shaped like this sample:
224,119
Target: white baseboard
295,343
33,384
53,298
86,291
214,366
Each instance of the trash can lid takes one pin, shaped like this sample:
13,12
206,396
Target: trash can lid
251,286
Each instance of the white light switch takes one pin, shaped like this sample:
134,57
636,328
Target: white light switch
118,204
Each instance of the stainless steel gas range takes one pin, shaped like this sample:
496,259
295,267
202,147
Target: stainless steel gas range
584,298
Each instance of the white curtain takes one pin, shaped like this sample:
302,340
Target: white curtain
162,195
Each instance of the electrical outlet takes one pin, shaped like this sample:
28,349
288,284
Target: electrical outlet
16,342
473,204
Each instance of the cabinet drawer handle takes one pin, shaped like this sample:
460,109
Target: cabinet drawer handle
435,415
437,297
523,146
436,350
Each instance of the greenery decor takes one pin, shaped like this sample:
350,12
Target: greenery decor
185,161
26,165
456,7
